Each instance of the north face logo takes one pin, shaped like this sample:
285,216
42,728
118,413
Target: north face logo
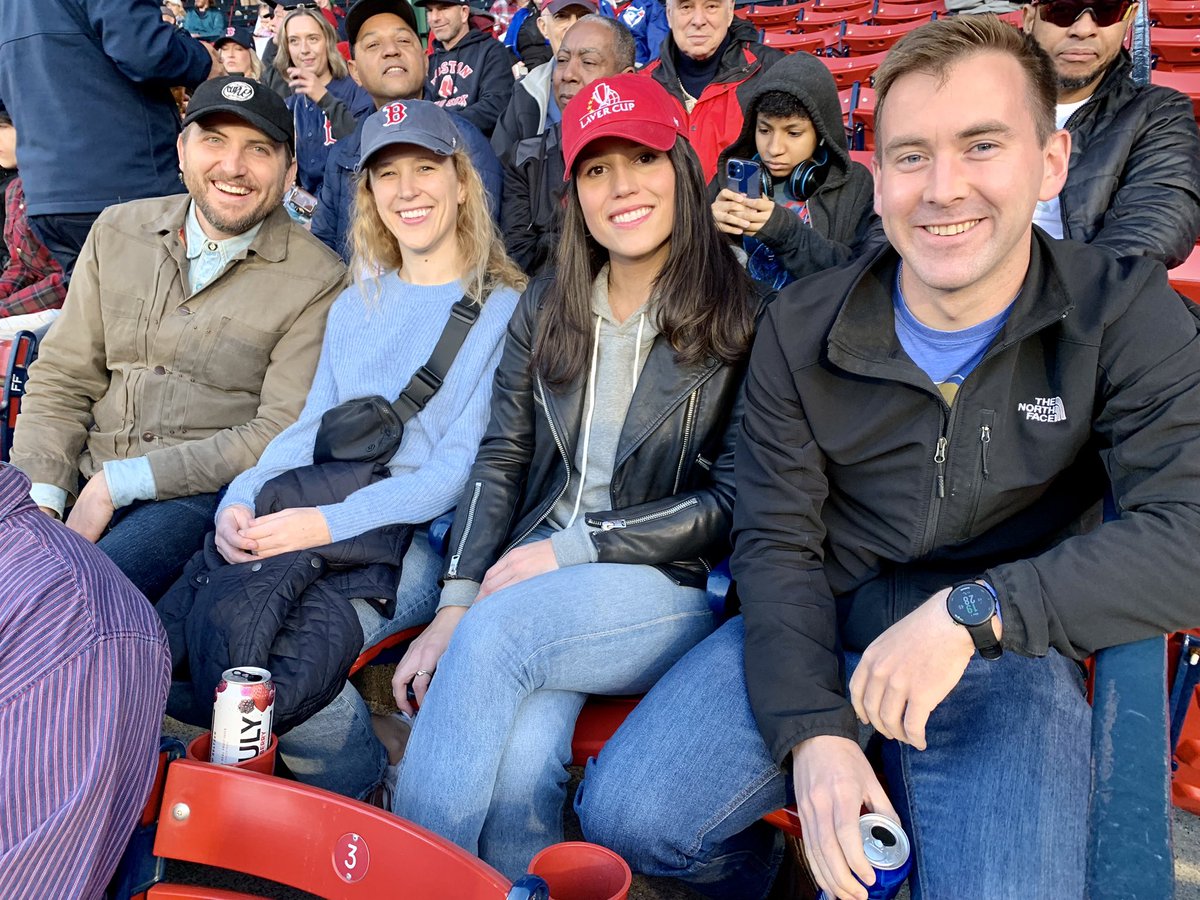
1044,409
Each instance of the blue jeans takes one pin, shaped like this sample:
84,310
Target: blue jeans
486,763
996,807
336,749
152,540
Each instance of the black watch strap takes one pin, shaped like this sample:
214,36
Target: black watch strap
981,633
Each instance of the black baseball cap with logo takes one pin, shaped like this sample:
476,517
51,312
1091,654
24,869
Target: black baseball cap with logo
240,36
247,99
364,9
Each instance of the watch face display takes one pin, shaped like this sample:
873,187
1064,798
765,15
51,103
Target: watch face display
970,604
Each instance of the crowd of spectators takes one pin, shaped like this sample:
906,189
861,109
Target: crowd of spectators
228,222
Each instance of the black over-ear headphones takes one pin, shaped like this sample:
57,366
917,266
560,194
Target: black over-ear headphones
807,177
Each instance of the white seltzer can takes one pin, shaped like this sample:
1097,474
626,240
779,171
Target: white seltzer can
243,709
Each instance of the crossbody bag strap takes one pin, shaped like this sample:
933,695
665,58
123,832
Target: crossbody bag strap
429,377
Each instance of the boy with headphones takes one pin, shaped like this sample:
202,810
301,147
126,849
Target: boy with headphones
816,205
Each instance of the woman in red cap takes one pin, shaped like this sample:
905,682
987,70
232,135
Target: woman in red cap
601,494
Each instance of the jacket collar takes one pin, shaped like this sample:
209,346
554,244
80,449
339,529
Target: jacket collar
270,243
862,339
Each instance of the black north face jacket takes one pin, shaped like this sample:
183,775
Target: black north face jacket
861,493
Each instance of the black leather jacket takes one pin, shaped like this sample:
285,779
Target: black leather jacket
1133,186
672,489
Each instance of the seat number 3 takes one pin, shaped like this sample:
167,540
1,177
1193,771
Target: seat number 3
351,857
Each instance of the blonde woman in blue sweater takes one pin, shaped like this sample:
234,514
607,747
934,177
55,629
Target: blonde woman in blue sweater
422,223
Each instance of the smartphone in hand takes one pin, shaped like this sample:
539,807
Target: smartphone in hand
745,176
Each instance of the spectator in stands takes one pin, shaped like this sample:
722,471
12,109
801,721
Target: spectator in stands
168,16
244,14
204,21
187,341
83,681
380,331
31,283
818,210
595,47
388,60
8,161
648,300
527,41
264,30
334,15
1134,181
120,88
531,109
647,21
322,91
470,72
709,63
235,50
927,434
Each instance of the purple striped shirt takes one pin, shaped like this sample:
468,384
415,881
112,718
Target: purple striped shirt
84,672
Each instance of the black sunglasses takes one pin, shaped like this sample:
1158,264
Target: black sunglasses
1064,13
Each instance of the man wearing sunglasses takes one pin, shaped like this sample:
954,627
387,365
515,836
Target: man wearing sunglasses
1134,182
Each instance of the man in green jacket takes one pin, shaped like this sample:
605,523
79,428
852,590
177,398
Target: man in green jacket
187,341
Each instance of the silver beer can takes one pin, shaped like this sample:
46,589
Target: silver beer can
243,709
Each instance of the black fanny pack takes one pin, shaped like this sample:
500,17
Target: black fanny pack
369,429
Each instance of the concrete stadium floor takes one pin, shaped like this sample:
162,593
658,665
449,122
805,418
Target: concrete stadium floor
374,683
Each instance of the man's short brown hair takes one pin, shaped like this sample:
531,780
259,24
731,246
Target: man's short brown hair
934,48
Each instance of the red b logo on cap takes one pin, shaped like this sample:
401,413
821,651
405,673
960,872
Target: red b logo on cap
394,113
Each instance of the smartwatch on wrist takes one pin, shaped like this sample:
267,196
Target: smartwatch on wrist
973,606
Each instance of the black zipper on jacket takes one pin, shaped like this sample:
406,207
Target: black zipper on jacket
928,539
985,438
688,420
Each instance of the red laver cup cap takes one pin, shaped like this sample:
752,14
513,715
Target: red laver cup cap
629,106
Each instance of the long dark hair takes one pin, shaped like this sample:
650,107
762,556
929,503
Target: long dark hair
703,299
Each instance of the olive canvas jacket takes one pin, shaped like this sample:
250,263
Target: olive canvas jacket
198,384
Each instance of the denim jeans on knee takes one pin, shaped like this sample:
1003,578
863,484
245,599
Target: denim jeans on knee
680,788
996,807
152,540
336,749
484,764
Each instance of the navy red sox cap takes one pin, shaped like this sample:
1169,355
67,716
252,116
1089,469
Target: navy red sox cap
417,122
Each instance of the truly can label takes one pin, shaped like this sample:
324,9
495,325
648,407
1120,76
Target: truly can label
243,709
886,847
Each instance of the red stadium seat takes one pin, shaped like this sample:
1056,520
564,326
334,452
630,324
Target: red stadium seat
897,13
863,39
1176,46
306,838
1183,81
839,5
816,20
773,17
1175,18
1185,277
849,69
800,43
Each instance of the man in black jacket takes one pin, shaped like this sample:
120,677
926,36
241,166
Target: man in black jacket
470,72
927,434
594,47
1134,181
